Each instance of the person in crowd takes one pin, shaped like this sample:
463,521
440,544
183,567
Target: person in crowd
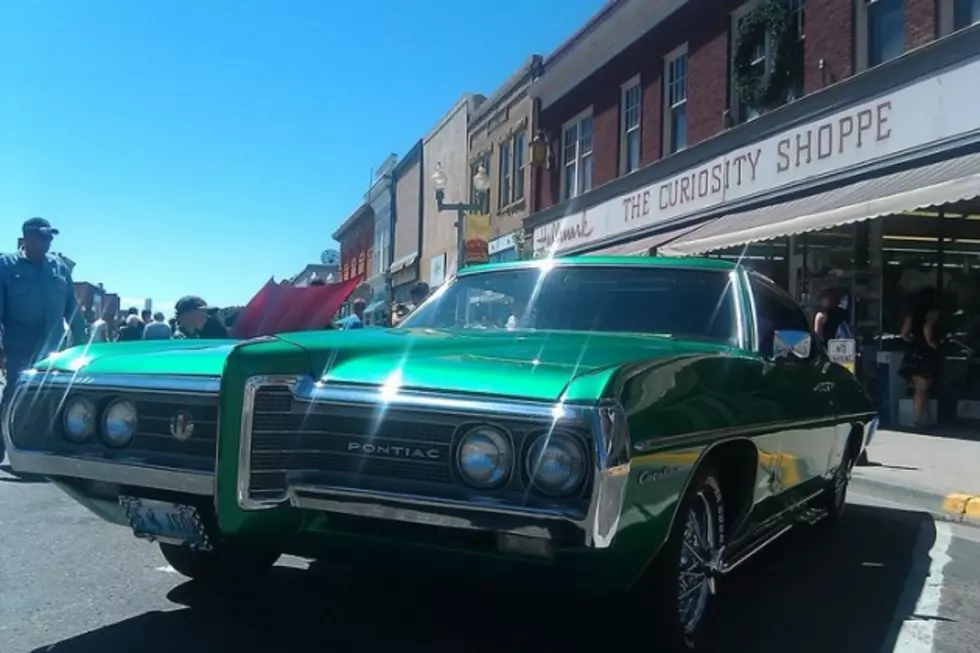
921,332
99,330
132,329
418,293
37,300
830,322
146,316
356,319
132,311
191,314
213,328
157,328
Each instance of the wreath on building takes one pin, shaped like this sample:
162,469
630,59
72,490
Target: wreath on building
772,19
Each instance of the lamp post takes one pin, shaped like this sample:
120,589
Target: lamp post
481,182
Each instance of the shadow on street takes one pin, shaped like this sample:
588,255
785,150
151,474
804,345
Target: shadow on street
813,591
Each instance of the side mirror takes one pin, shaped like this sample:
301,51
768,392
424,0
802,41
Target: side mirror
792,344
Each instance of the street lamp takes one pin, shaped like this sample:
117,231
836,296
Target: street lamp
481,183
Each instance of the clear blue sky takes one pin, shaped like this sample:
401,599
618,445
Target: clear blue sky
201,146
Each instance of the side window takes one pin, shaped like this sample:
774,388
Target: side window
775,312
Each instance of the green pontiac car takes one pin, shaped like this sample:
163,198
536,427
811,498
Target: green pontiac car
591,424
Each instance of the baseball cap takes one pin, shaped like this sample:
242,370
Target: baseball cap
189,303
39,226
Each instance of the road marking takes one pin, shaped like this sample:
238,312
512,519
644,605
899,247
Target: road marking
919,604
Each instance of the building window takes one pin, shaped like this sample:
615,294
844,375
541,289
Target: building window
512,170
965,13
955,15
483,200
520,165
577,156
506,175
675,100
762,62
629,120
881,31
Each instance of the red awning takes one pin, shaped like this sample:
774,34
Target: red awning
281,308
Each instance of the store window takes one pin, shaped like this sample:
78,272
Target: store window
675,100
629,120
577,156
880,31
768,258
505,175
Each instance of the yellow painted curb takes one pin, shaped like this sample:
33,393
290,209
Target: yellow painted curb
962,505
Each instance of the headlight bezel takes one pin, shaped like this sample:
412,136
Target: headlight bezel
501,435
531,454
76,400
104,420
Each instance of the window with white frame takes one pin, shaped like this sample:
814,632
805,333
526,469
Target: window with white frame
505,174
763,59
880,29
520,165
577,156
512,169
955,15
675,100
629,121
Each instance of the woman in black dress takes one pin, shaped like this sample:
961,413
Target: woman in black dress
921,331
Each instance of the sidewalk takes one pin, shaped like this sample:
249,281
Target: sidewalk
935,473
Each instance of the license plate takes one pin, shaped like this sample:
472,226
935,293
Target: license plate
161,521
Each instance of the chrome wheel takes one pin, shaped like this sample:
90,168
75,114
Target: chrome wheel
700,552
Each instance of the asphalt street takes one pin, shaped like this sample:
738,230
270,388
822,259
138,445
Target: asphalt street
890,579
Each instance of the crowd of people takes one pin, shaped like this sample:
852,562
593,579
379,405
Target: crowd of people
192,319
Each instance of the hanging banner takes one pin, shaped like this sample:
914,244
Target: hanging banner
476,238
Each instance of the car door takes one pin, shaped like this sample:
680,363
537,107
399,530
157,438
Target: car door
803,389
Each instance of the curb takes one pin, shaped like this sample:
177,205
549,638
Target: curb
957,507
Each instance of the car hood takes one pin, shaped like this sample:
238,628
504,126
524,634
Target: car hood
181,357
539,365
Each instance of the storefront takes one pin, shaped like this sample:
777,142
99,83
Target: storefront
872,190
502,249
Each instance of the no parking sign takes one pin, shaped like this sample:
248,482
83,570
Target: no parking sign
843,351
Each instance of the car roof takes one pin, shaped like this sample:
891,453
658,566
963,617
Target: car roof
606,261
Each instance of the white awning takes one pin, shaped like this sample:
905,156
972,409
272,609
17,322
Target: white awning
400,264
945,182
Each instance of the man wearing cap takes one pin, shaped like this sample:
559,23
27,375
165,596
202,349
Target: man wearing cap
37,298
192,314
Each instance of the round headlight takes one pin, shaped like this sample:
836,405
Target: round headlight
556,464
78,420
119,423
485,457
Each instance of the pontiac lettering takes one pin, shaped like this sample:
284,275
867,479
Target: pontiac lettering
392,450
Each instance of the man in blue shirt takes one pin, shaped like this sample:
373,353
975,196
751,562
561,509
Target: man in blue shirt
356,319
37,297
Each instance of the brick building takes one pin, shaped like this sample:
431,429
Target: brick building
644,91
356,238
500,133
857,171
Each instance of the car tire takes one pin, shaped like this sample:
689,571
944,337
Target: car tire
834,498
682,580
223,563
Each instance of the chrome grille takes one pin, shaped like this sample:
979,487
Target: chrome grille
344,445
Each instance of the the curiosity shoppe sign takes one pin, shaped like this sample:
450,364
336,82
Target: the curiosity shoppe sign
918,114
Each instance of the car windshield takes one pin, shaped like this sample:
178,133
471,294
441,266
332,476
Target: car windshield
666,301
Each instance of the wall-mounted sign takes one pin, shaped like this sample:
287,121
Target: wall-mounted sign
500,244
923,112
437,270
